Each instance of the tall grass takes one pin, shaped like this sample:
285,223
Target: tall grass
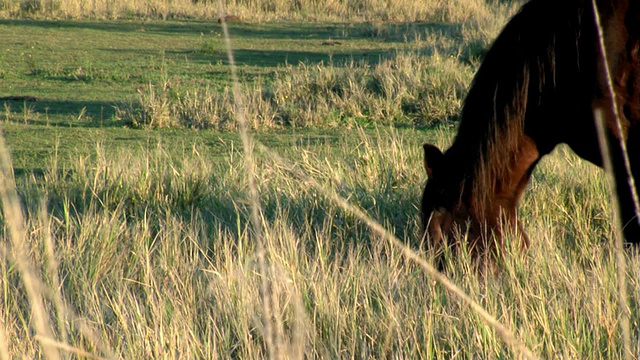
258,10
408,88
155,257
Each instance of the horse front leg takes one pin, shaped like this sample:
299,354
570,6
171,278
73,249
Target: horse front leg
527,160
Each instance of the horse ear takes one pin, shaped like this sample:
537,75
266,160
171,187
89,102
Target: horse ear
433,158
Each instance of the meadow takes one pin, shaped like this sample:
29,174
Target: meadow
137,223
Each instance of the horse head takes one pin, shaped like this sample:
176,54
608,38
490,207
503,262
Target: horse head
445,214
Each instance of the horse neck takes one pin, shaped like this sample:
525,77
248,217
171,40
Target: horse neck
489,166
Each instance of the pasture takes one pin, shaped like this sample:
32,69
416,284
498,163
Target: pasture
128,232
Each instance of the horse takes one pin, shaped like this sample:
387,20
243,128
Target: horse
537,86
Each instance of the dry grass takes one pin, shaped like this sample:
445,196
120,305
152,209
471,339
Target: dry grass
407,89
259,10
156,258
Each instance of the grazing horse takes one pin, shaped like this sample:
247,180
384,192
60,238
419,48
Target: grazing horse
537,87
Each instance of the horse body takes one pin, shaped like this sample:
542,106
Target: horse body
537,87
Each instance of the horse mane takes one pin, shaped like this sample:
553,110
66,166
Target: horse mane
513,84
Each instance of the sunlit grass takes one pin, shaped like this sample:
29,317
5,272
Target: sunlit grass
259,10
154,257
406,89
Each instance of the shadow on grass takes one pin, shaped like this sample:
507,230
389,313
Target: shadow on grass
273,58
121,26
330,42
63,112
307,214
388,31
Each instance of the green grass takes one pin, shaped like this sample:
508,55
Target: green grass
138,73
44,58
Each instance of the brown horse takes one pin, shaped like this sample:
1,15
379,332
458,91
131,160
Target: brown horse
537,87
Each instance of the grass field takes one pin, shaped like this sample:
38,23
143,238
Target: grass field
128,233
